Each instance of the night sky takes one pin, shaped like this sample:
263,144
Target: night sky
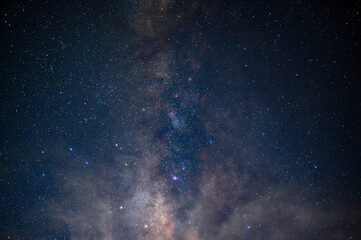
180,120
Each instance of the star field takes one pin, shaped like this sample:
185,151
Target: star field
180,120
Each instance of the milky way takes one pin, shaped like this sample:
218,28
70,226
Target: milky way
171,120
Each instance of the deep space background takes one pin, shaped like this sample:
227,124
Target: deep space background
180,120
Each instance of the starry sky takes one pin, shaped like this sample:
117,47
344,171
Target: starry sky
180,120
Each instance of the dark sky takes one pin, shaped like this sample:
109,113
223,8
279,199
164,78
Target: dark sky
180,120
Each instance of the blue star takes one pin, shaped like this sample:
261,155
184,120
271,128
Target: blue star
183,166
